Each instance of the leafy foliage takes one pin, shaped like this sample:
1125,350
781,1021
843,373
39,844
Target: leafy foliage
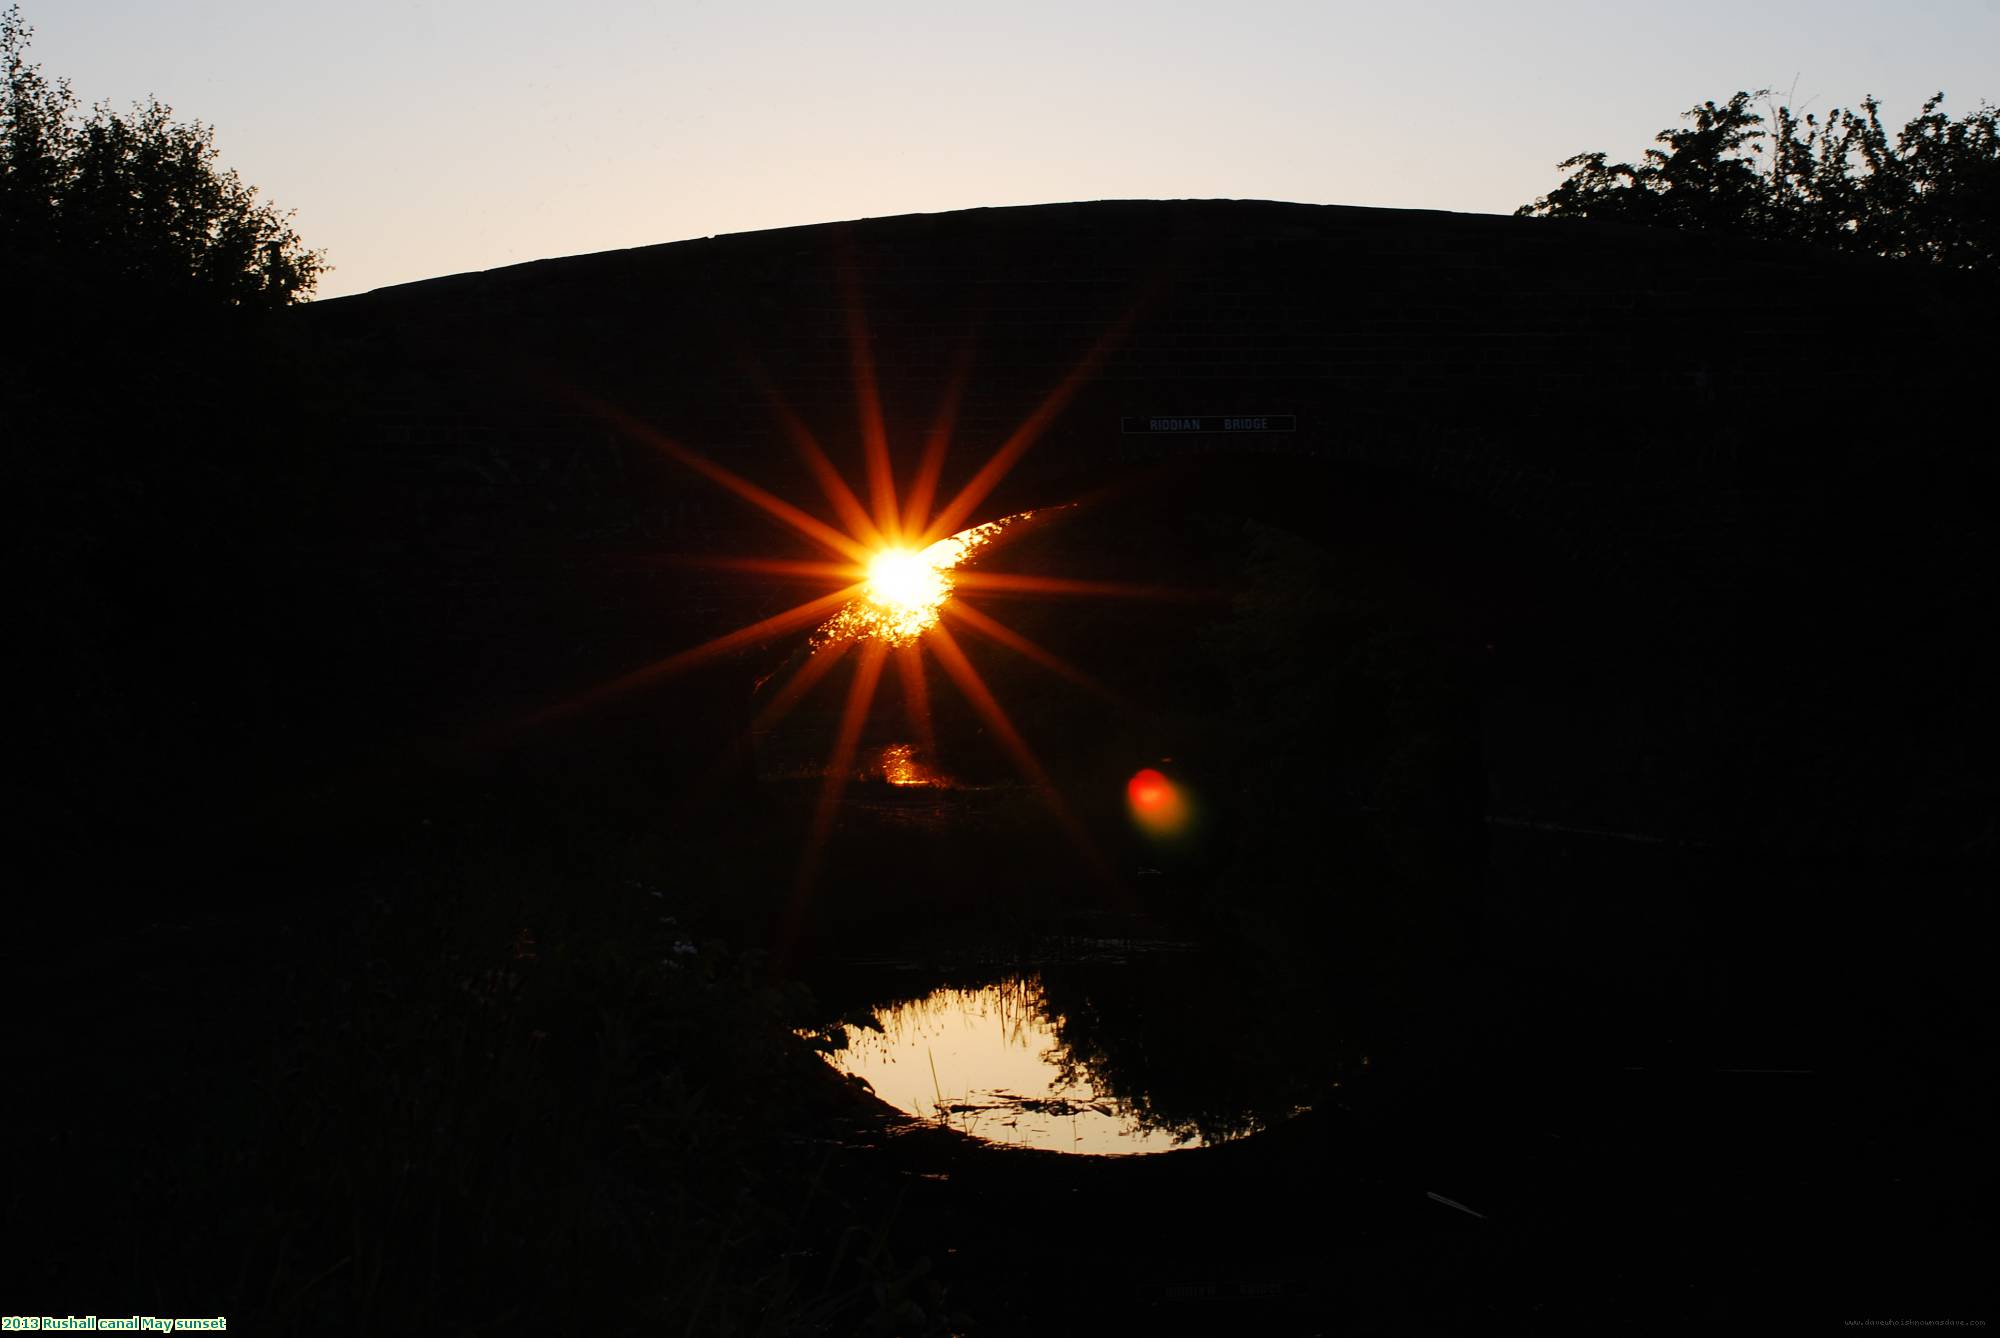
134,199
1931,191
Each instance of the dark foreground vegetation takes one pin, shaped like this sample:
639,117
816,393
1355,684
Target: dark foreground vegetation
342,1002
333,1028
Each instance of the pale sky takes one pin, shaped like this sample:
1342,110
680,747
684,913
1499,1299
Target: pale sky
432,137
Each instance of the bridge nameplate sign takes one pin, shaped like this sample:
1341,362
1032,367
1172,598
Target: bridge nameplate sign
1191,423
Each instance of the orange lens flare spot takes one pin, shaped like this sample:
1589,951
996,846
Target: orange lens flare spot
1157,804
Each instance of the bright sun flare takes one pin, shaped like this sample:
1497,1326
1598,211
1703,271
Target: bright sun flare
906,589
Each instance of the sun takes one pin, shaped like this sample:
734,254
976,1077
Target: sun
904,582
904,590
904,595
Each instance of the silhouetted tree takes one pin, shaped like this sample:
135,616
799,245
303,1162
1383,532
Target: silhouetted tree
155,408
1931,192
133,199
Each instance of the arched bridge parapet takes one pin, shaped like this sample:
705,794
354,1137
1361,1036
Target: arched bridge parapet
1728,437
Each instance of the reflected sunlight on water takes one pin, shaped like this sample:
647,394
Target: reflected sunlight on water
899,764
987,1062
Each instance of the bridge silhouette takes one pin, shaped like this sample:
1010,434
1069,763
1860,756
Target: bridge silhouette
1696,496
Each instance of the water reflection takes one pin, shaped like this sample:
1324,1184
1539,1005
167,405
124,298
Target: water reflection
901,764
986,1062
904,765
1139,1054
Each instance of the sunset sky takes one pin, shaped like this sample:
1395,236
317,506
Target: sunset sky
426,138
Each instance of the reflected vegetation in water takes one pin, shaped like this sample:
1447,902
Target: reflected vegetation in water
987,1062
1135,1055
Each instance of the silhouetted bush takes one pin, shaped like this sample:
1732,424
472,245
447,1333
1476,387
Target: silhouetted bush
1930,193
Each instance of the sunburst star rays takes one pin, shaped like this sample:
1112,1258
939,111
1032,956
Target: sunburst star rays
895,566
